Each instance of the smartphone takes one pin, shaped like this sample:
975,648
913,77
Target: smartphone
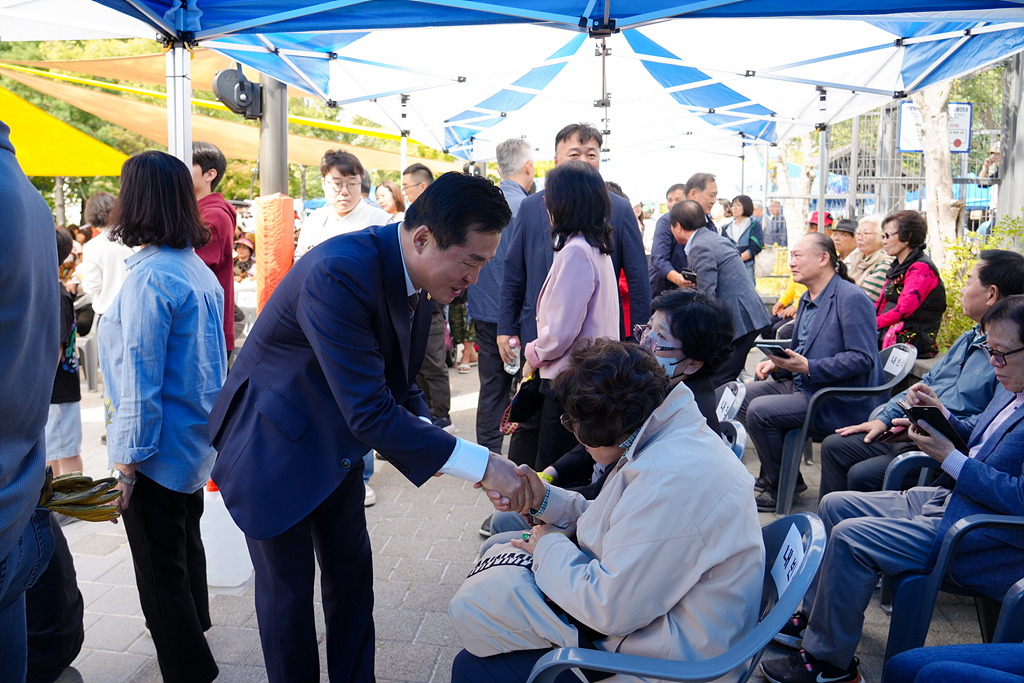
893,434
773,349
688,275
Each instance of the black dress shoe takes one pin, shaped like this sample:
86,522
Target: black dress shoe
766,501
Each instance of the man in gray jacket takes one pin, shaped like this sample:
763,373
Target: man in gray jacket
720,272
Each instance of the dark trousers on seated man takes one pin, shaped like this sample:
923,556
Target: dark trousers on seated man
849,464
772,408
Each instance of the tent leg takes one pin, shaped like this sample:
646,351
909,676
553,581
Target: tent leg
274,137
405,151
854,171
179,102
822,175
1012,139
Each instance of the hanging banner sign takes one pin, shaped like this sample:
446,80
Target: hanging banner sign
960,119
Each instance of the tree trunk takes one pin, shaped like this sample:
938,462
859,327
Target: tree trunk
940,208
795,208
58,201
302,183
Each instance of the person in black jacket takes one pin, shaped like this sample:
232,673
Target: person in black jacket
690,334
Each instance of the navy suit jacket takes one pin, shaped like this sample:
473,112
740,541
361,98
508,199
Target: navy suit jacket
842,351
989,560
529,258
327,373
667,254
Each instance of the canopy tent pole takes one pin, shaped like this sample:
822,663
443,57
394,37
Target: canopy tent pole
405,133
767,174
854,172
823,132
1011,166
274,137
179,102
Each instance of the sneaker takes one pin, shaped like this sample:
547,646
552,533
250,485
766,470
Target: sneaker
761,484
485,528
369,498
792,634
802,667
766,501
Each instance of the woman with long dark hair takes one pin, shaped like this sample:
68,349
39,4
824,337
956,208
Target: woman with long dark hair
745,231
580,297
913,300
163,357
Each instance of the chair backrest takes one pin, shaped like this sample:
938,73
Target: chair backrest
734,435
897,361
794,547
729,398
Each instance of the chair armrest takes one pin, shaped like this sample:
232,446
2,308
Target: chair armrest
822,394
1010,628
899,468
550,665
956,534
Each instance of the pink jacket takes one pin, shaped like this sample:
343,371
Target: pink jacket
579,299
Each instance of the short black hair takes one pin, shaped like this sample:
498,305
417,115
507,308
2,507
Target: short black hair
343,162
365,187
419,173
207,156
609,389
911,226
457,203
699,182
1010,309
746,202
675,188
701,323
98,208
584,132
689,214
1002,268
578,200
824,244
64,244
157,204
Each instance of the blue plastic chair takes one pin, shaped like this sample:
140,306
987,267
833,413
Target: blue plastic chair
775,611
798,441
734,435
728,408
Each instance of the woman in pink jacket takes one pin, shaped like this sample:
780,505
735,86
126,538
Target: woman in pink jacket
579,299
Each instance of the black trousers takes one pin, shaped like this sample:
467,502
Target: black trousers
849,464
730,369
170,570
335,535
522,446
495,387
769,410
54,610
555,440
433,376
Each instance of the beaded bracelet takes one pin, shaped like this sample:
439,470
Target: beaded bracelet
544,504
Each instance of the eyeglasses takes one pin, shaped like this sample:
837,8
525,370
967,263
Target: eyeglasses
887,235
570,424
406,188
999,357
649,339
353,187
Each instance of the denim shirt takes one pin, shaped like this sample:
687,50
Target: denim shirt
962,379
164,359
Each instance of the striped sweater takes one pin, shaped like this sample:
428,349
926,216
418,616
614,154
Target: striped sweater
869,271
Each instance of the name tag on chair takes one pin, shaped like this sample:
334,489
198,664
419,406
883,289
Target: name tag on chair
723,405
790,557
897,359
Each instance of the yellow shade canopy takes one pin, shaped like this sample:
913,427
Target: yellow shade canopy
46,146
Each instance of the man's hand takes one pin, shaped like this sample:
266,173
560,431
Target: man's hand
933,443
871,430
505,488
790,312
923,395
505,350
793,362
764,368
676,278
536,489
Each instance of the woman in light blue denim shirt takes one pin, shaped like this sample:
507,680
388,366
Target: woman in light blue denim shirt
163,361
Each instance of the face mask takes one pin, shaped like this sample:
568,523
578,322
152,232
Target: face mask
668,365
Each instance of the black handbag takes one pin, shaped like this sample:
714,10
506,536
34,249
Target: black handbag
525,404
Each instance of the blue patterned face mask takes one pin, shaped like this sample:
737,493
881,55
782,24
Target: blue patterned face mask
668,365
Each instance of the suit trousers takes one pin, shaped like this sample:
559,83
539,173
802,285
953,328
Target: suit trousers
769,410
335,535
989,663
884,532
170,571
433,376
522,445
730,369
555,440
849,464
495,387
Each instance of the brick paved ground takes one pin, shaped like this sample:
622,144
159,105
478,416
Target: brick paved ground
424,543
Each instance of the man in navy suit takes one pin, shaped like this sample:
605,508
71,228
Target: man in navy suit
529,257
667,255
893,532
327,373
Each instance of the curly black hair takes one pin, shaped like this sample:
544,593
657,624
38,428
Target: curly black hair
608,389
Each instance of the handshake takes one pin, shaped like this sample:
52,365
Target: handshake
511,487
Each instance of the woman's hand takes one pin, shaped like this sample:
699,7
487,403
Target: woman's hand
778,308
125,489
534,536
746,256
535,487
790,312
527,369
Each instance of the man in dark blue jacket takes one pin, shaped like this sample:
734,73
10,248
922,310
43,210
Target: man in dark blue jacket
834,344
667,255
529,258
328,372
894,532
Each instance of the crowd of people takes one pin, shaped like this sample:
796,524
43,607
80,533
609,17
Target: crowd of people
601,365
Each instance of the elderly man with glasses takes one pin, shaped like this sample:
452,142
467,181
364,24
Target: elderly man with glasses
342,178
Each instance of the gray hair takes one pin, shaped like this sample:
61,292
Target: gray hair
512,156
758,205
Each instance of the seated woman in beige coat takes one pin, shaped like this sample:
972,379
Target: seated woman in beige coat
668,561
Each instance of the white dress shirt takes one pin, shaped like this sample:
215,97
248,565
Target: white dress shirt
102,270
325,223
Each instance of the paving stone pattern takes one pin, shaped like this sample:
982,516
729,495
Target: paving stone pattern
424,543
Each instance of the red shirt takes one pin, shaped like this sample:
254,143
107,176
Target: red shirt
219,217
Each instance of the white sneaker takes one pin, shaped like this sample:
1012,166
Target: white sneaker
370,498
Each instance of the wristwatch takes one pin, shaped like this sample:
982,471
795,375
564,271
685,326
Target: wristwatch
122,477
